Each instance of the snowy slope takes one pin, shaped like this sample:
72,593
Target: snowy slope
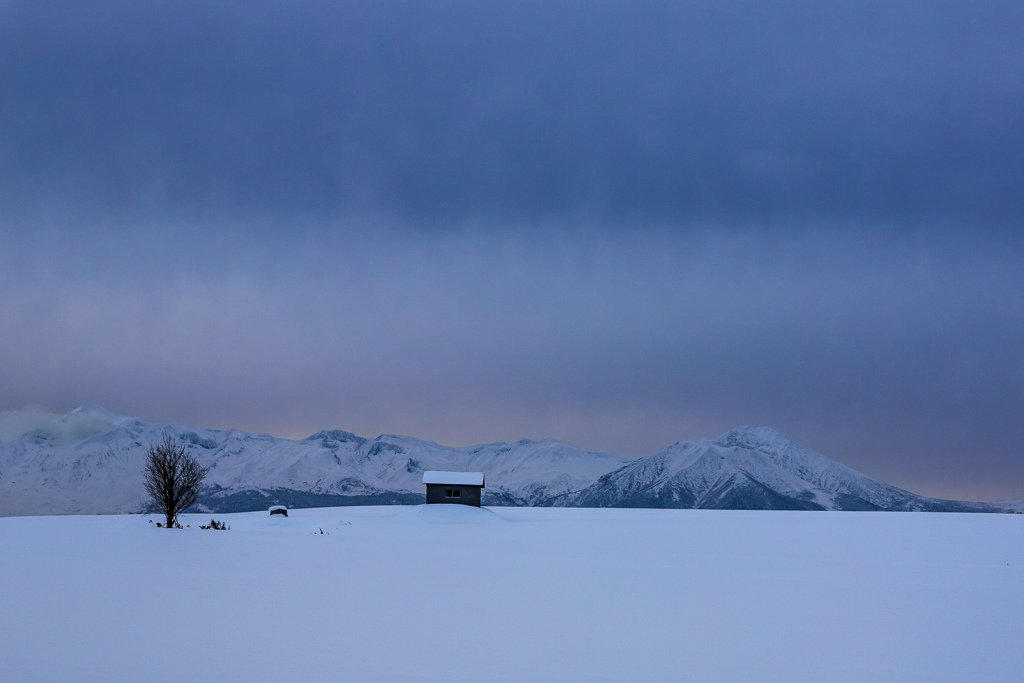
751,468
1011,505
90,461
514,594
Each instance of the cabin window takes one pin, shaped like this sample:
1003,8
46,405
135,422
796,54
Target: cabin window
453,493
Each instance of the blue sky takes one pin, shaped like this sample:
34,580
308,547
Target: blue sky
618,224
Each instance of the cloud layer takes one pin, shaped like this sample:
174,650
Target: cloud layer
609,111
618,225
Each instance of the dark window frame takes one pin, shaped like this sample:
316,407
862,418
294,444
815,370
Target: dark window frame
453,493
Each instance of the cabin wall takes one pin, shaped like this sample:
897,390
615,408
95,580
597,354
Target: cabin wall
470,494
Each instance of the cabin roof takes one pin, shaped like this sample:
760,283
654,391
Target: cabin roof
454,478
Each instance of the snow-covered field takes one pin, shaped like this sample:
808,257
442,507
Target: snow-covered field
446,593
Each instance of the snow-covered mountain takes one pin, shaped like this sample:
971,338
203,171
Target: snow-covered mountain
90,461
1016,505
751,468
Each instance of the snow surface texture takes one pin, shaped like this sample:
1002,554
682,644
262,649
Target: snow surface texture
515,594
90,461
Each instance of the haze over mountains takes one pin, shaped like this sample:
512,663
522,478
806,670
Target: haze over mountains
90,461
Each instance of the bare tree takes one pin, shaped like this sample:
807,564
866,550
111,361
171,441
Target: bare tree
172,477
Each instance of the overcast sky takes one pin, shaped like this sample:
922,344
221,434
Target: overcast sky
620,224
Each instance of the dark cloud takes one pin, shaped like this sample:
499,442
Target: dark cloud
658,111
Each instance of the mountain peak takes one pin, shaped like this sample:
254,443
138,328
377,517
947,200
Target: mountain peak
87,409
333,435
763,439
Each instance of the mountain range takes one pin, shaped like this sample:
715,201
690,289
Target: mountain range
90,461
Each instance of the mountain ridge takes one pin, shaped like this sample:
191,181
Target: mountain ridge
90,460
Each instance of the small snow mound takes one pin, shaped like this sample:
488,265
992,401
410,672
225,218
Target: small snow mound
447,514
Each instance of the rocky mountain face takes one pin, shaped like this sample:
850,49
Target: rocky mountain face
90,461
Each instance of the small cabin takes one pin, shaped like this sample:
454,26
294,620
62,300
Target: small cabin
278,510
461,488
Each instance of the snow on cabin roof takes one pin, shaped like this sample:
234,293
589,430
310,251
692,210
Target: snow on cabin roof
277,507
455,478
